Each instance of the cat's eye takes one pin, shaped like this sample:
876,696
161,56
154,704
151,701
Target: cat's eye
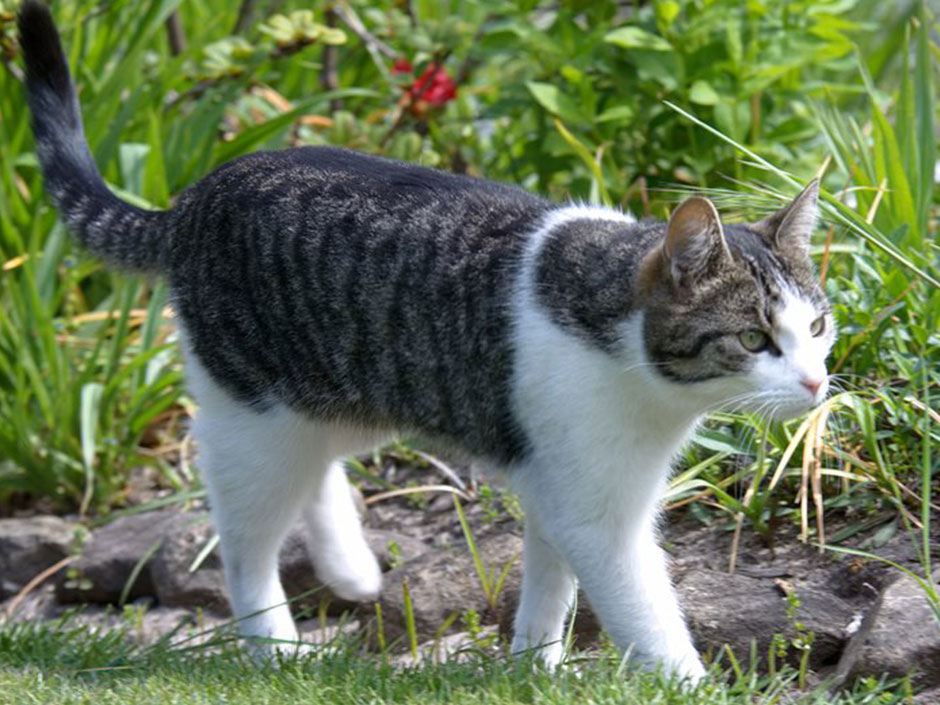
754,340
818,327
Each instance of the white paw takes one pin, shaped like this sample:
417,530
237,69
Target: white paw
688,668
270,648
356,577
549,655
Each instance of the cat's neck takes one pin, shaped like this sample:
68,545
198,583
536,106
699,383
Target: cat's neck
660,399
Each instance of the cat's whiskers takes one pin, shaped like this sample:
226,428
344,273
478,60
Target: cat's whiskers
639,365
841,382
736,402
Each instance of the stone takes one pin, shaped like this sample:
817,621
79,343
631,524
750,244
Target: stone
444,584
31,545
146,624
453,648
927,697
39,604
175,585
738,611
299,577
900,635
585,632
110,556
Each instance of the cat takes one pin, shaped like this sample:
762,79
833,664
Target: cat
326,298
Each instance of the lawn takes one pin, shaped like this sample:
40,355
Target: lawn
68,665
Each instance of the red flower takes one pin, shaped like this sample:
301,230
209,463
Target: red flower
402,66
433,87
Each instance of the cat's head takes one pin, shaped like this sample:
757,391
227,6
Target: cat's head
734,313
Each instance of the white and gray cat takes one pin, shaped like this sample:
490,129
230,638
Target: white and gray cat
327,298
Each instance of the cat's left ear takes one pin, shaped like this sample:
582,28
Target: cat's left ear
788,230
695,242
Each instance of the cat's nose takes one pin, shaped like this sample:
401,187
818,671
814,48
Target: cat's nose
812,385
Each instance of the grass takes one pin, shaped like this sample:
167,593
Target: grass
68,664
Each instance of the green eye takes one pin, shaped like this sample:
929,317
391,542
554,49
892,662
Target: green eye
818,326
754,340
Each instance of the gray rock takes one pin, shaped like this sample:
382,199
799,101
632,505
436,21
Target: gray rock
145,624
901,635
444,584
586,629
174,583
110,556
39,604
927,697
453,648
739,611
299,577
30,546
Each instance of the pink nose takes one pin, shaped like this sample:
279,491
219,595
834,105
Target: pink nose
812,385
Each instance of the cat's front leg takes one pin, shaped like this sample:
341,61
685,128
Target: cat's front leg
624,574
548,590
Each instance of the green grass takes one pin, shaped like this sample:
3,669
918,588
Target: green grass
41,664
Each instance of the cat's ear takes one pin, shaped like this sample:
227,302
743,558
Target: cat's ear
695,242
788,230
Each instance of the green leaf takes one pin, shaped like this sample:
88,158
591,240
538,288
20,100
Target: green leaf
582,151
255,135
702,93
88,419
925,124
636,38
666,13
619,113
555,102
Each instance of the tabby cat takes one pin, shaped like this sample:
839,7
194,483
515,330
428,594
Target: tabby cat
327,299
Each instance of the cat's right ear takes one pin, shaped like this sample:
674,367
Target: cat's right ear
695,242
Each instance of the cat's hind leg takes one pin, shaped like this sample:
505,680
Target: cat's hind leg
339,551
259,468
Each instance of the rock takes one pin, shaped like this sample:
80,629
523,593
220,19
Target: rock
145,624
39,604
188,534
737,610
393,549
444,584
453,648
585,632
927,697
900,635
110,556
298,576
30,546
175,585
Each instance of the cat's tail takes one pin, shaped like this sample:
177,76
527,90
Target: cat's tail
118,232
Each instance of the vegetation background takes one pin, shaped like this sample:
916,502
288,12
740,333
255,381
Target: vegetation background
630,103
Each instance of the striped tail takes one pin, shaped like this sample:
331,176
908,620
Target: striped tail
118,232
